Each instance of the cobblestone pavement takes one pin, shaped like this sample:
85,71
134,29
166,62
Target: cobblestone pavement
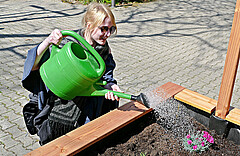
184,42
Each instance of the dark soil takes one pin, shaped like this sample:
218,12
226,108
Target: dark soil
146,136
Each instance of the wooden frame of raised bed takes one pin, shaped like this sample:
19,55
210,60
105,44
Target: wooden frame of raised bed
90,133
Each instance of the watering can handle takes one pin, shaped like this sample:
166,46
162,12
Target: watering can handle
102,67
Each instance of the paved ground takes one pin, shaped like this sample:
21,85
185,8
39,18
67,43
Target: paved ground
184,42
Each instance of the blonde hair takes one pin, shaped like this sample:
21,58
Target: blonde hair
95,15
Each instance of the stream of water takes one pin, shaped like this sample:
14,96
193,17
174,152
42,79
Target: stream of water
170,113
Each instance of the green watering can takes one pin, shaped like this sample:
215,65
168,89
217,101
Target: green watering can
74,71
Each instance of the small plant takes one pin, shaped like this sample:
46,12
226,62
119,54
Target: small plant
142,154
198,142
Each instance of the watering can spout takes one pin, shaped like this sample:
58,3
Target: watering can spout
141,98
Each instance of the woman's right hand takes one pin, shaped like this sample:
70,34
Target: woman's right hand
55,37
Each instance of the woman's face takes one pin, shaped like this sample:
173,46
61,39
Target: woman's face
99,34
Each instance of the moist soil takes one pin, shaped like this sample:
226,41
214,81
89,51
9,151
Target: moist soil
146,137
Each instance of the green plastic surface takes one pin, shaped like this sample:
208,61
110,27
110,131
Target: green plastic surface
74,71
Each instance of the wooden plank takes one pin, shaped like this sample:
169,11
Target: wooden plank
230,67
86,135
170,89
234,116
197,100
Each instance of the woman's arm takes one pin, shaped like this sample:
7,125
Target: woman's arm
54,38
108,76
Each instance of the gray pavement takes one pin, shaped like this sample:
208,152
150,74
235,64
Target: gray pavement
184,42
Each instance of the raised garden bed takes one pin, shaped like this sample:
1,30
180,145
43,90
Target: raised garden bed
160,133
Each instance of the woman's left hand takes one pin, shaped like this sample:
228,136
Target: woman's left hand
110,95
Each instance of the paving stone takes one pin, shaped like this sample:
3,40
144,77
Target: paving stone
19,150
27,141
20,123
17,108
3,109
33,146
22,101
5,124
6,101
8,142
2,133
4,152
14,131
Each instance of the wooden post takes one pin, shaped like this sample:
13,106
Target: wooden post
230,68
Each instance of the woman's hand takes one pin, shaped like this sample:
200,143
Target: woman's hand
55,37
110,95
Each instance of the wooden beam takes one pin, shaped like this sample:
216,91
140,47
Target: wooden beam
197,100
230,67
169,89
234,116
88,134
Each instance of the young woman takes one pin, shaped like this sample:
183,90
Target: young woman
48,115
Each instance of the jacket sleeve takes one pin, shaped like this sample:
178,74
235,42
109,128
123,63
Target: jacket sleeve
31,79
110,66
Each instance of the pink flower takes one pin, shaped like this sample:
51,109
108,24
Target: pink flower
188,136
205,135
205,132
211,140
209,136
203,144
189,142
194,147
208,139
196,138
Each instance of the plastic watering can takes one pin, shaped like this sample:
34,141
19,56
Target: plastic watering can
74,71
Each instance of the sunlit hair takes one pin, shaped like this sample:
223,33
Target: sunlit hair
95,15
